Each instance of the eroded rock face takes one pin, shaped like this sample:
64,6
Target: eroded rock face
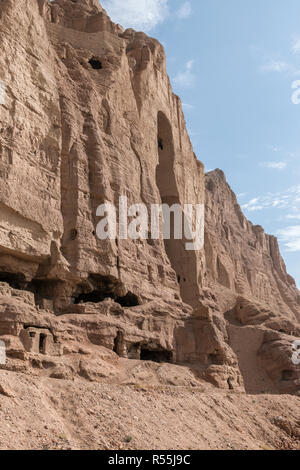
90,116
241,257
252,290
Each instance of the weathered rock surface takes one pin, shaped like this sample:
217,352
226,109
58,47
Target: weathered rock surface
90,116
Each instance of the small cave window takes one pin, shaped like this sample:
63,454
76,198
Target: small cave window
74,234
95,63
214,359
156,355
118,343
160,144
230,384
287,375
129,300
178,279
14,280
94,297
42,343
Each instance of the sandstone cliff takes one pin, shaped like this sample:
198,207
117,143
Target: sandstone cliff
90,115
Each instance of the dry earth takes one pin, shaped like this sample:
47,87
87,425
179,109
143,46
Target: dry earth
44,413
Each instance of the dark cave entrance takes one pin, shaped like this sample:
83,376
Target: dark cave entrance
99,288
156,355
215,359
43,290
14,280
42,343
128,300
160,144
95,63
119,343
288,375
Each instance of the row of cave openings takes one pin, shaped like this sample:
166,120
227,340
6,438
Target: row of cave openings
100,287
95,290
182,261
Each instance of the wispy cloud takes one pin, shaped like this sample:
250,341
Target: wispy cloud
143,14
185,78
280,66
187,106
274,148
274,165
185,10
288,200
276,66
290,237
296,46
138,14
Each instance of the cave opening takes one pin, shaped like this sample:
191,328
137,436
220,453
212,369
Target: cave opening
287,375
73,234
94,297
43,290
156,355
214,359
128,300
42,343
95,63
14,280
119,343
98,296
99,288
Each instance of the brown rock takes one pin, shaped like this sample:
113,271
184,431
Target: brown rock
89,116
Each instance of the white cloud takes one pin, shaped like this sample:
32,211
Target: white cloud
274,165
138,14
288,200
290,237
274,148
296,46
185,78
185,10
187,106
276,66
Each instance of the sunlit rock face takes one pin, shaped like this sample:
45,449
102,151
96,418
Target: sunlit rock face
89,116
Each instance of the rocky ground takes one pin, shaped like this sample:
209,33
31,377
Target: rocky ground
45,413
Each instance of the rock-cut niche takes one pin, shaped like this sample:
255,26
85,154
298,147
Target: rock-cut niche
183,262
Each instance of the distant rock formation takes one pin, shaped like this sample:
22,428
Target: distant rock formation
89,116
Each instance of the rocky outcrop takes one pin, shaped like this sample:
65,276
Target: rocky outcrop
258,299
241,257
90,116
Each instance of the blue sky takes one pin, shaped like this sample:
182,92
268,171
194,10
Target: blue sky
233,64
